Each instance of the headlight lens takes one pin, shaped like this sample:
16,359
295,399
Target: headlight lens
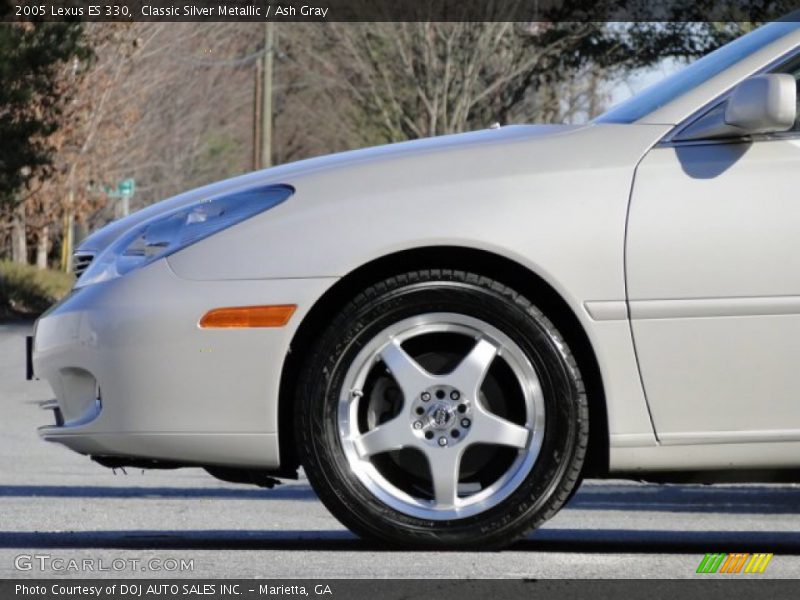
165,234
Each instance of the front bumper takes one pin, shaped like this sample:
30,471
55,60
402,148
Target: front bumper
134,374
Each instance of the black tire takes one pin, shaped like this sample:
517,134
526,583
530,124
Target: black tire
557,468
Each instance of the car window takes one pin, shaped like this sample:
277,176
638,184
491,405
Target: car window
698,72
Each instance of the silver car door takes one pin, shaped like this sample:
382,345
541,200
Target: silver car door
713,278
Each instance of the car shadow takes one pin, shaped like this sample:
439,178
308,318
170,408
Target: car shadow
291,492
573,541
658,541
728,499
719,499
695,498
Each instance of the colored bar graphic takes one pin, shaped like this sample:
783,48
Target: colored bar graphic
734,563
711,563
739,562
758,563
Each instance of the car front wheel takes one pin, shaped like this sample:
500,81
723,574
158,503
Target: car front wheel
442,409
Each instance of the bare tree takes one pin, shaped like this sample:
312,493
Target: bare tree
409,80
168,104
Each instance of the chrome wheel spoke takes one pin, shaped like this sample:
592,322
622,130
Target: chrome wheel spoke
488,428
391,435
440,415
408,374
444,464
470,373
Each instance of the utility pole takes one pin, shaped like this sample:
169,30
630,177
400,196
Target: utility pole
67,239
266,95
257,106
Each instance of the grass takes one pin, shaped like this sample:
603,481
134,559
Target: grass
26,291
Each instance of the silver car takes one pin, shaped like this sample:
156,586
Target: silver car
449,334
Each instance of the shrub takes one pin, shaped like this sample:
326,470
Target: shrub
28,291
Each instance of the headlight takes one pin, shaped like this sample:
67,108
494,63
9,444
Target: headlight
167,233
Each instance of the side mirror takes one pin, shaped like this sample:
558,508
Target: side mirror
763,104
759,104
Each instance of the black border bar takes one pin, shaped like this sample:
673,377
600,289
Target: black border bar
706,587
401,10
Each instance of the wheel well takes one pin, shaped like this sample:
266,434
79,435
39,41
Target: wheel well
498,267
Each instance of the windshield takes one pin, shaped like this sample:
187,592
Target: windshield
687,79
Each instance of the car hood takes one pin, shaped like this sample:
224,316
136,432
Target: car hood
291,173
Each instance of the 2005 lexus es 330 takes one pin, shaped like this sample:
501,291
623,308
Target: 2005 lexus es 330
448,334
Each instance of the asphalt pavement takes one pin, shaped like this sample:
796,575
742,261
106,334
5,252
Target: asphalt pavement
60,512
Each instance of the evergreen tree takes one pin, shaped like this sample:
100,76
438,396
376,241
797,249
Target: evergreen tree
31,96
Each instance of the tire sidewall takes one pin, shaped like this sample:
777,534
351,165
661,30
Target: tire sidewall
533,501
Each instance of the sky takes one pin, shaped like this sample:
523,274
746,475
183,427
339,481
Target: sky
643,78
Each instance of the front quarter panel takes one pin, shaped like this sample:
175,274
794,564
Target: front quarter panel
555,204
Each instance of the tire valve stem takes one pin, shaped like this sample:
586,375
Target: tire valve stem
357,394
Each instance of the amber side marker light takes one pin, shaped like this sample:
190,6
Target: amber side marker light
242,317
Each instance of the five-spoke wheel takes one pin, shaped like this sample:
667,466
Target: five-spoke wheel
440,409
440,413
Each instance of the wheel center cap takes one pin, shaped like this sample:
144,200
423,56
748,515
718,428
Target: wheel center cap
441,415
